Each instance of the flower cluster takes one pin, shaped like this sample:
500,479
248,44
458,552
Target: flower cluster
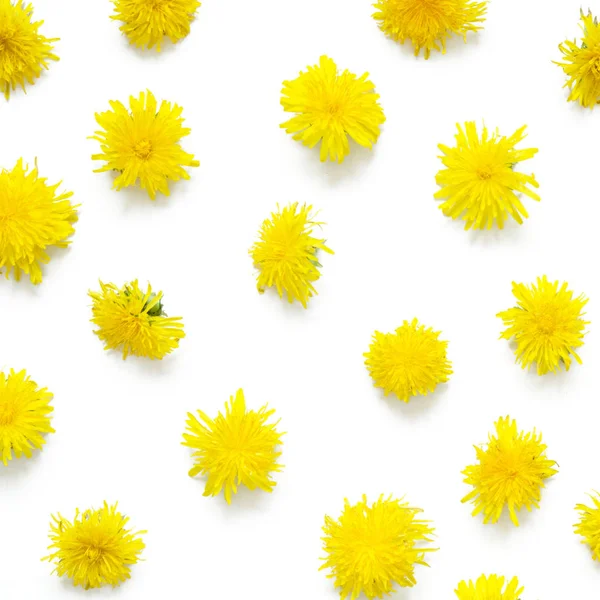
142,144
409,362
135,321
510,472
24,51
33,218
331,108
95,549
427,25
236,448
371,547
25,415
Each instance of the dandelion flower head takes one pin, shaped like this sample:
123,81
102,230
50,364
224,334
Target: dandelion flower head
510,472
372,547
142,144
427,24
24,52
147,22
547,325
95,549
237,448
479,183
135,321
489,587
25,415
588,526
330,108
286,253
408,362
33,218
582,63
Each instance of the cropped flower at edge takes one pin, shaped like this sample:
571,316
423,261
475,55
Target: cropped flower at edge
427,25
588,526
510,472
235,448
372,547
95,549
24,53
147,22
135,321
286,253
547,325
582,63
143,144
33,218
489,587
330,108
408,362
25,415
479,184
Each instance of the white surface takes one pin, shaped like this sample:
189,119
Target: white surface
119,424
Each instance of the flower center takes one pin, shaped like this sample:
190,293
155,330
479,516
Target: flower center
93,554
5,39
546,324
484,173
333,109
596,67
143,149
7,413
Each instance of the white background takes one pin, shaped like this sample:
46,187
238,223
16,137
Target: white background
119,424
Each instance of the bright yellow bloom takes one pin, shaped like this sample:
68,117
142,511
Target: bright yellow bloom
24,53
143,144
135,320
479,183
547,325
236,448
369,548
24,415
428,23
582,64
330,108
510,472
33,217
589,525
286,253
490,587
95,549
408,362
147,22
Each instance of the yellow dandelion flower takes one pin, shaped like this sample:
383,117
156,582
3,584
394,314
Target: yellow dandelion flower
236,448
25,415
330,108
147,22
286,253
582,63
369,548
95,549
510,472
428,24
589,525
143,144
479,183
491,587
135,321
24,53
408,362
33,218
547,325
